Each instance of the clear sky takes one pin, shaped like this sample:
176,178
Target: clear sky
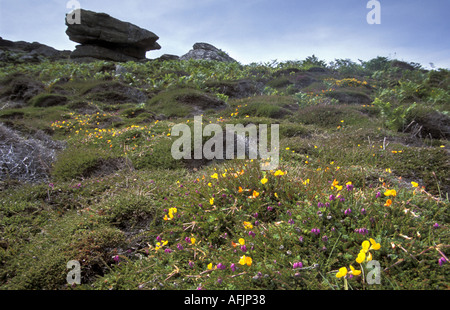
257,30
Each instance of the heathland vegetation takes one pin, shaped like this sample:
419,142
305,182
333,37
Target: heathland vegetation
87,175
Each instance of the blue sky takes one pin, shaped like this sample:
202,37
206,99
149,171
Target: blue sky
257,30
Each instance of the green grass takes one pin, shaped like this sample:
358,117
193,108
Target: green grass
180,102
111,196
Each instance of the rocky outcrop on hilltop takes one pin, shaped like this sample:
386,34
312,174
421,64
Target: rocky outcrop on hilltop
22,51
207,51
104,37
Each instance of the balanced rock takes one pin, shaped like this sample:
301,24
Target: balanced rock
104,37
207,51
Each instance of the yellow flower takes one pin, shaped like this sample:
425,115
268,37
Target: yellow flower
215,176
390,192
305,182
264,180
209,184
160,244
248,225
338,187
254,195
278,172
354,271
414,184
193,240
245,260
335,182
361,257
375,246
210,266
211,201
365,246
172,211
342,272
388,203
241,241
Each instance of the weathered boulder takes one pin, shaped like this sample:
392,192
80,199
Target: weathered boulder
207,51
104,37
34,51
168,57
99,52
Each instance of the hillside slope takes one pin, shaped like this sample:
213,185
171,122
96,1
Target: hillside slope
87,174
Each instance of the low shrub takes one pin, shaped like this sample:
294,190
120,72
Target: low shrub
157,156
183,102
76,163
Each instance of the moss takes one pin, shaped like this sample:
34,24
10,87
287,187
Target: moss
292,130
158,156
330,116
20,87
183,102
279,82
77,162
127,211
349,96
48,100
275,107
12,114
132,112
81,87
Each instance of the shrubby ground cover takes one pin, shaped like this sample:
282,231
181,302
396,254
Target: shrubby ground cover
363,176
